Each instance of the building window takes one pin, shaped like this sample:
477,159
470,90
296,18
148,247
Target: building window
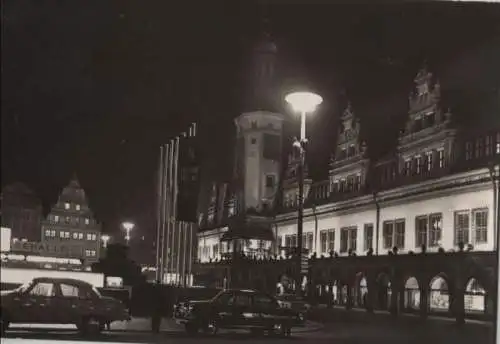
253,124
331,240
421,231
435,229
253,140
497,145
418,164
407,170
61,234
462,227
288,241
480,223
67,220
488,145
323,241
428,160
75,235
388,234
441,158
53,233
66,206
294,240
269,181
80,236
348,237
368,237
47,233
310,242
77,207
479,147
87,221
428,230
56,218
358,182
468,150
399,234
279,241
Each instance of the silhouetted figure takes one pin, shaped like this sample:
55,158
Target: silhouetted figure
157,308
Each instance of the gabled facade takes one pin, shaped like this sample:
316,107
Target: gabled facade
70,227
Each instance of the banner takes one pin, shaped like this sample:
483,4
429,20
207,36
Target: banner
188,177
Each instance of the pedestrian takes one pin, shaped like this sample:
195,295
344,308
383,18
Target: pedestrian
157,309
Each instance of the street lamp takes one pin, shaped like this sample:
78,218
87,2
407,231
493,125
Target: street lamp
128,226
303,103
105,239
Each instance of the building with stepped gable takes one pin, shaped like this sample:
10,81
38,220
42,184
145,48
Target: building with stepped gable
70,229
419,227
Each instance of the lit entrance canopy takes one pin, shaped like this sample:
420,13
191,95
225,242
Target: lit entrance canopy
241,228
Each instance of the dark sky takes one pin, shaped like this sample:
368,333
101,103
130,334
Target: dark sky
95,86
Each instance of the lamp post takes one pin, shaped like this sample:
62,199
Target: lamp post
105,239
128,226
303,103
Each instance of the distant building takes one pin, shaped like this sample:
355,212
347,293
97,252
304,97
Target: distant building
21,212
70,229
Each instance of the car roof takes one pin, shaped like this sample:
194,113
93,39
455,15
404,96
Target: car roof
63,280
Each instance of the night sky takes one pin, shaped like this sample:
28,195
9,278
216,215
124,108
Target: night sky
95,86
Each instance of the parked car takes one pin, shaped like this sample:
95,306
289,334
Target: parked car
238,309
293,302
60,301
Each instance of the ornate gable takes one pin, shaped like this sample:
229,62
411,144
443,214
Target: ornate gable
349,165
428,137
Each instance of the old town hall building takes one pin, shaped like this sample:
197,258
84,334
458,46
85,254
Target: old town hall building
416,228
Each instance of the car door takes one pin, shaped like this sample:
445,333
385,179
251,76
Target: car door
36,303
243,315
68,303
222,306
268,309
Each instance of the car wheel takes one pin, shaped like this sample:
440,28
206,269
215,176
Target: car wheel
212,327
191,329
4,325
282,330
90,326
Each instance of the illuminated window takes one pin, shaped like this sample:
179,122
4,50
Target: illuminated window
407,170
56,218
80,236
418,164
468,150
53,233
66,205
94,237
61,234
87,221
441,158
429,160
75,235
89,236
497,149
77,207
66,235
47,233
480,225
87,253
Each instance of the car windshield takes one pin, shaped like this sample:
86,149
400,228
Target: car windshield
22,288
97,292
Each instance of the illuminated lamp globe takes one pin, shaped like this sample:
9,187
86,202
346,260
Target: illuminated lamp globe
304,102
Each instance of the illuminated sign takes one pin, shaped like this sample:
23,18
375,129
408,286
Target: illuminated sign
45,248
21,276
5,237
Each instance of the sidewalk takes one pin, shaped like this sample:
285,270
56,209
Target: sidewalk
168,325
322,313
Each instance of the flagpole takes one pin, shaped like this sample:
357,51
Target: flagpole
176,189
159,239
170,229
190,248
165,186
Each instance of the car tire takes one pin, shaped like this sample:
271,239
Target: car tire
4,325
90,326
283,330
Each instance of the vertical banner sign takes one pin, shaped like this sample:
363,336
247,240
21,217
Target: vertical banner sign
189,177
